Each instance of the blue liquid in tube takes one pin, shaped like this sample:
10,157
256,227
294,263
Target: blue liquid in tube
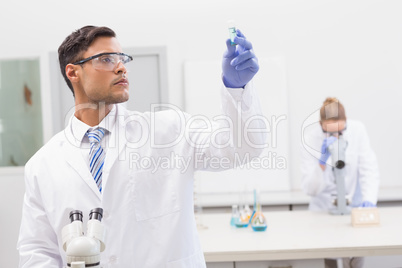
232,31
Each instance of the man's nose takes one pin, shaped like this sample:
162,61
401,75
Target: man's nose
120,68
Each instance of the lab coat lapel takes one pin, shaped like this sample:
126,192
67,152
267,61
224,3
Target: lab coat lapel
74,158
117,143
346,137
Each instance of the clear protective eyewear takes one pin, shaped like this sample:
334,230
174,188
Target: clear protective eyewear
332,133
107,61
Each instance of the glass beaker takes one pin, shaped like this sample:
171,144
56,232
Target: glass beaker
235,215
258,222
244,217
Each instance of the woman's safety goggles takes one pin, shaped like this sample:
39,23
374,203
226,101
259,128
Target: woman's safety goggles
332,133
107,61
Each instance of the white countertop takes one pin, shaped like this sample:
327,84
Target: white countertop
278,198
301,235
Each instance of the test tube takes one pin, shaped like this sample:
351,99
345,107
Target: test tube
232,31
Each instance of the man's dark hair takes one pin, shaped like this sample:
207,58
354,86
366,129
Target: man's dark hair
74,46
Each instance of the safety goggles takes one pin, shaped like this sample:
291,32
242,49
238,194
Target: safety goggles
107,61
332,133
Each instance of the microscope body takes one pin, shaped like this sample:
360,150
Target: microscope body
338,153
84,250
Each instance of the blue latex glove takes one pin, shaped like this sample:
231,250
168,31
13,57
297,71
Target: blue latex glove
324,149
239,63
367,204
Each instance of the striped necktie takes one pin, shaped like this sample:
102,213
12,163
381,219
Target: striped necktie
96,155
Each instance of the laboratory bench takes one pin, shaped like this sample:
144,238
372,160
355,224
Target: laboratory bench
301,239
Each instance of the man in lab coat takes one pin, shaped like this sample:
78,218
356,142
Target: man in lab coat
318,181
141,171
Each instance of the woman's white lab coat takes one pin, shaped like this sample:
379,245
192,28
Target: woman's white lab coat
361,179
148,214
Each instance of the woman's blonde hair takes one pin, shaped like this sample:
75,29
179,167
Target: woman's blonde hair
332,109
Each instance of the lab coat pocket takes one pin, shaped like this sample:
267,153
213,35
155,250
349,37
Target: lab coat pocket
194,261
154,194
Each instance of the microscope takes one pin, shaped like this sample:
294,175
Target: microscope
338,152
84,251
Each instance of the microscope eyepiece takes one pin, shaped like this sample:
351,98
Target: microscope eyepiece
76,215
96,213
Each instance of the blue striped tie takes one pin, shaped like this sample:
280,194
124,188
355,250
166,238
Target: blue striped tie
96,155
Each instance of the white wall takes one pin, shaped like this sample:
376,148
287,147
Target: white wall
11,199
348,49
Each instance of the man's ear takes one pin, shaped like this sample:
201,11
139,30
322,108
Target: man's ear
72,73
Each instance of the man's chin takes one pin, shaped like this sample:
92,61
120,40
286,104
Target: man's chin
117,99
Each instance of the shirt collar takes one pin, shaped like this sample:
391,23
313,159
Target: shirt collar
79,128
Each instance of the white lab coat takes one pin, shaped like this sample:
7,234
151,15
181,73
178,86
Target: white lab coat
148,216
362,176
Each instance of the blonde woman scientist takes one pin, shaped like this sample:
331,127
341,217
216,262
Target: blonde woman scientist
318,181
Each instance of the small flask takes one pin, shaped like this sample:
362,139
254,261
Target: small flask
244,218
244,211
247,212
258,222
254,205
235,215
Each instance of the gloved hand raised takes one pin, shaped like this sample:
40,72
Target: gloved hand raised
239,63
324,149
